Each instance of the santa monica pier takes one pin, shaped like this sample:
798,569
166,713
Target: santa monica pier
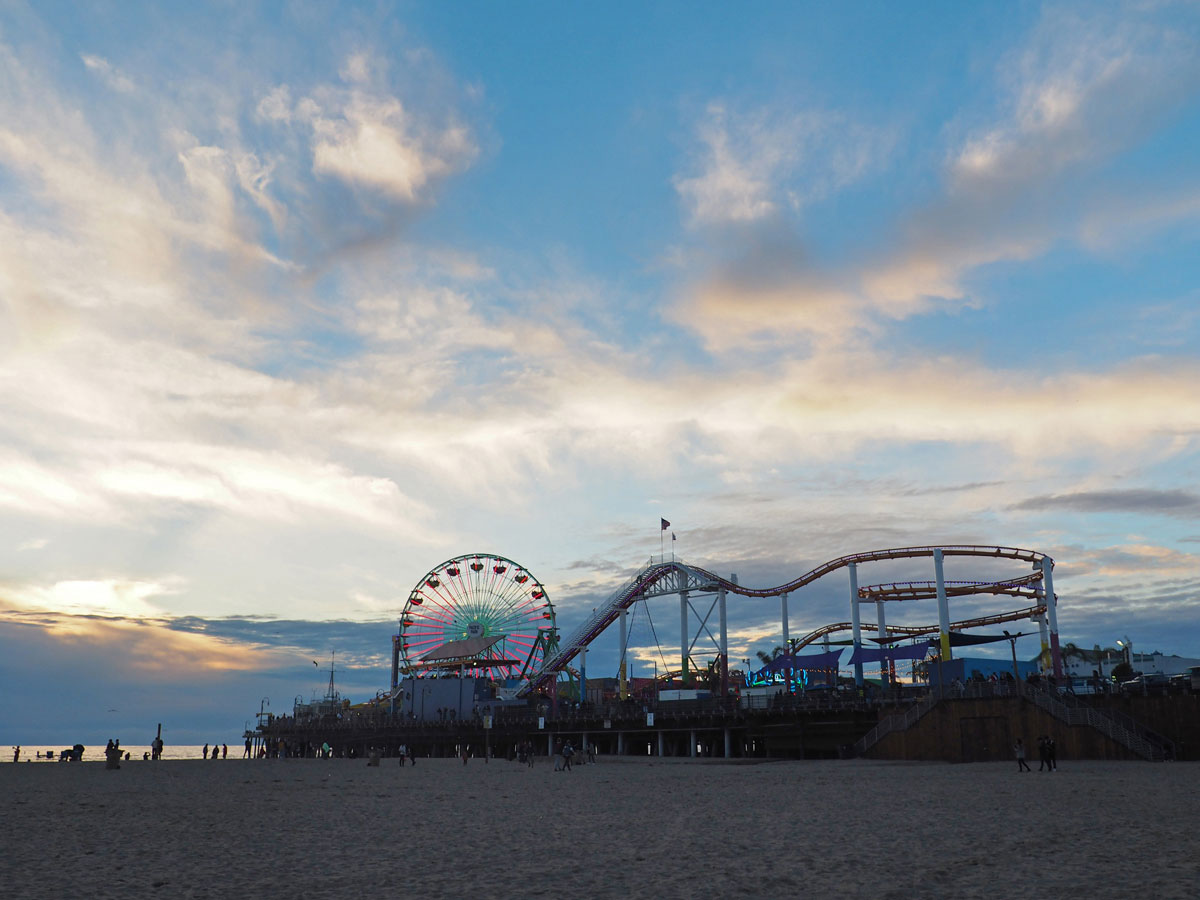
479,667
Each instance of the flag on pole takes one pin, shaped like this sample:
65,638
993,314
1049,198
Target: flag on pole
665,524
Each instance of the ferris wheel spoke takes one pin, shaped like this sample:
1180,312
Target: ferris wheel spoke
439,603
432,614
517,603
421,640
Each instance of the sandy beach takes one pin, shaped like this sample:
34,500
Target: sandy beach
621,828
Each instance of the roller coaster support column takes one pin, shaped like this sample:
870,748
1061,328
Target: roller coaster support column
943,608
883,666
683,638
724,641
857,632
1047,567
1044,659
582,675
623,680
791,673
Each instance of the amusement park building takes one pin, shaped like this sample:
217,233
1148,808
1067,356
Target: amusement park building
964,668
1085,663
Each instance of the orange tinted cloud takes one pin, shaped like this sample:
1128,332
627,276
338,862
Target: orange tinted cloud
151,649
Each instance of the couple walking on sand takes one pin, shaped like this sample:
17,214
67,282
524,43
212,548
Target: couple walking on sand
1047,754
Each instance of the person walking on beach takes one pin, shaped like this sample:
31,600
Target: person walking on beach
246,755
568,752
17,753
224,751
1019,750
205,750
1043,754
215,752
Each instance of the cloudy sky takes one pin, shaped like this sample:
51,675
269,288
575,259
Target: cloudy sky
297,302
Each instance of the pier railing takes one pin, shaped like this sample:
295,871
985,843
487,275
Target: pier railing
1065,707
1121,728
897,721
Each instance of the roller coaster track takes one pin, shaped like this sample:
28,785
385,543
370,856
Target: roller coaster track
694,578
918,630
927,590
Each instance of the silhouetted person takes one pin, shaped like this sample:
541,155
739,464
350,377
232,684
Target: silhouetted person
1019,750
206,751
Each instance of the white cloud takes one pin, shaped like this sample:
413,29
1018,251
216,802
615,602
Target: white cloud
357,67
1081,89
276,105
731,188
109,597
1081,92
753,164
108,73
376,142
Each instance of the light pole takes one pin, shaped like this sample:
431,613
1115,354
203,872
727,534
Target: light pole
1127,646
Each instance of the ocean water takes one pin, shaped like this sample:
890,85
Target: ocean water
96,753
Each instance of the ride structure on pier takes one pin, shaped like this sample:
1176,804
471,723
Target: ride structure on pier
661,577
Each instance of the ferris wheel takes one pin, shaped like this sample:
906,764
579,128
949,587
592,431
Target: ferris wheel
479,596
